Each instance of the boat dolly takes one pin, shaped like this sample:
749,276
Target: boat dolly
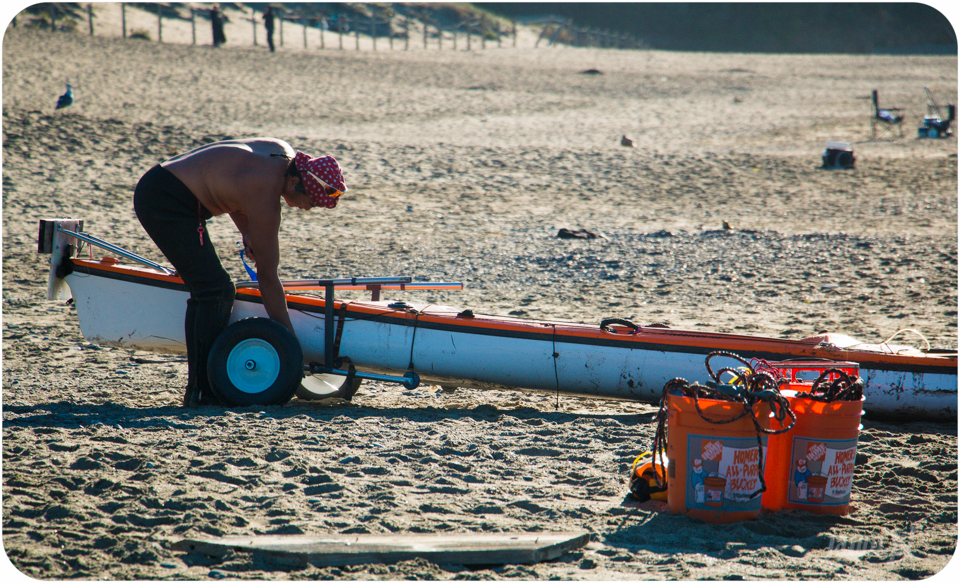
331,362
250,363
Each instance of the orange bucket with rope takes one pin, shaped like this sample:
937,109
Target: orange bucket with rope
715,441
714,466
811,466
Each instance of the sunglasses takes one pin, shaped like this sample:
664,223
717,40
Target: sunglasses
327,189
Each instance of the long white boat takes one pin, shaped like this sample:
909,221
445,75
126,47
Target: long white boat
142,307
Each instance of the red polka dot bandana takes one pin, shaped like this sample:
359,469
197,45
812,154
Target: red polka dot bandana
322,179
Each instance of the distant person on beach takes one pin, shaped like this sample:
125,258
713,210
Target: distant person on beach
246,179
216,20
268,24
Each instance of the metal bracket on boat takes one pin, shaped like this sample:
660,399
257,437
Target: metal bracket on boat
409,380
115,249
57,237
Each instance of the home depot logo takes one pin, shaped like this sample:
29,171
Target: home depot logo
816,452
712,449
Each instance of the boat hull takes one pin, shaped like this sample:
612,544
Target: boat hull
139,308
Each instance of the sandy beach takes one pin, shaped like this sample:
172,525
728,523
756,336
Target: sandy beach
463,166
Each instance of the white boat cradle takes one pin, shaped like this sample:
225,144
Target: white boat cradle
142,307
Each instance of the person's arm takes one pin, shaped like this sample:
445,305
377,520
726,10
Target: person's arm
243,225
263,235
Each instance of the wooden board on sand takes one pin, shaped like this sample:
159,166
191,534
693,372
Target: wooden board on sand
496,548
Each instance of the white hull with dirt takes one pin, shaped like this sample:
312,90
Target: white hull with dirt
143,307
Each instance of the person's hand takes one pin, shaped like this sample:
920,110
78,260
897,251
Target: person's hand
248,250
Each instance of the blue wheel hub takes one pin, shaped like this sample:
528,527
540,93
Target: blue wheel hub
253,366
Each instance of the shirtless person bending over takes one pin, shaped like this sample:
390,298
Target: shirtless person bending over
245,179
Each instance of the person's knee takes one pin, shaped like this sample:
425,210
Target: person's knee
219,292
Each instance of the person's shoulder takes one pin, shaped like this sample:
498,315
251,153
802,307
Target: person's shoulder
258,146
276,146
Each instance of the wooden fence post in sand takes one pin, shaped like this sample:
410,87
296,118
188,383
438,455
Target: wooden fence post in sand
373,31
303,22
159,23
321,24
356,36
123,18
193,25
253,22
90,17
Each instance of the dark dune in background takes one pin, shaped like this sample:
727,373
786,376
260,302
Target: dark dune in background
908,28
859,28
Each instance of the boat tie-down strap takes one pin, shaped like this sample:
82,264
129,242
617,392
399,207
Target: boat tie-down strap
556,355
413,341
341,318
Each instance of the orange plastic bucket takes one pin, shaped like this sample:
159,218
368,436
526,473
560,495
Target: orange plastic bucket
713,470
811,466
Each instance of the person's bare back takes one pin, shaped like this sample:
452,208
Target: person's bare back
234,175
247,179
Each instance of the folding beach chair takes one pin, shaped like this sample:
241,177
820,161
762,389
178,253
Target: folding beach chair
886,118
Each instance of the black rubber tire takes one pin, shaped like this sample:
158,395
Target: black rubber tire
252,336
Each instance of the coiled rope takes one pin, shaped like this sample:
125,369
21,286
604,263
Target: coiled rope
841,388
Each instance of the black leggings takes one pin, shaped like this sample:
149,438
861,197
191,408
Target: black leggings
171,215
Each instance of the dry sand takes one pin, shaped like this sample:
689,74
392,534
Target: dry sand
462,167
